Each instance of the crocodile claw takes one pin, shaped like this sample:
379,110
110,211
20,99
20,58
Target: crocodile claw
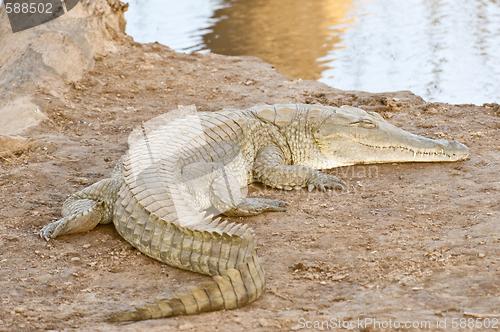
325,181
48,231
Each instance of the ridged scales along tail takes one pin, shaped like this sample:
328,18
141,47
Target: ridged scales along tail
235,288
157,214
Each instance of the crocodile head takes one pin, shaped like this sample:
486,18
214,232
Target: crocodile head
352,136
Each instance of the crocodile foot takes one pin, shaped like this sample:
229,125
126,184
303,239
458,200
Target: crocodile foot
78,222
54,229
325,181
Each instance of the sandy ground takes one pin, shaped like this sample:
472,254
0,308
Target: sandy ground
409,242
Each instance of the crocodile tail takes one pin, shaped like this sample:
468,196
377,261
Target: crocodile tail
234,288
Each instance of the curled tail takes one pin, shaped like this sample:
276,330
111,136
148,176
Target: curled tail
239,287
224,251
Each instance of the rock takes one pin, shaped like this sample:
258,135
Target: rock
186,327
17,114
50,54
20,309
265,322
12,143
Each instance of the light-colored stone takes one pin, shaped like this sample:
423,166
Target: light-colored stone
16,116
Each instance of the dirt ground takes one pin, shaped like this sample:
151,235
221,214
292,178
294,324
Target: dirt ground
416,242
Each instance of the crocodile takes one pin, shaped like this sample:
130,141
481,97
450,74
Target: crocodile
184,163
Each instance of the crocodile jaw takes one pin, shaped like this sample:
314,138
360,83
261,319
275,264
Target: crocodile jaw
364,138
429,151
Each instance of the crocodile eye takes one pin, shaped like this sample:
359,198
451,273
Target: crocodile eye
366,123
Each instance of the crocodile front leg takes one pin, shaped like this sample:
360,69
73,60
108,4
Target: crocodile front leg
213,184
270,168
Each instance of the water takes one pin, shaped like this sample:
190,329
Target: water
177,24
443,50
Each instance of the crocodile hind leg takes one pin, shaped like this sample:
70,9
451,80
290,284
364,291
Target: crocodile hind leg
224,192
84,210
270,168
